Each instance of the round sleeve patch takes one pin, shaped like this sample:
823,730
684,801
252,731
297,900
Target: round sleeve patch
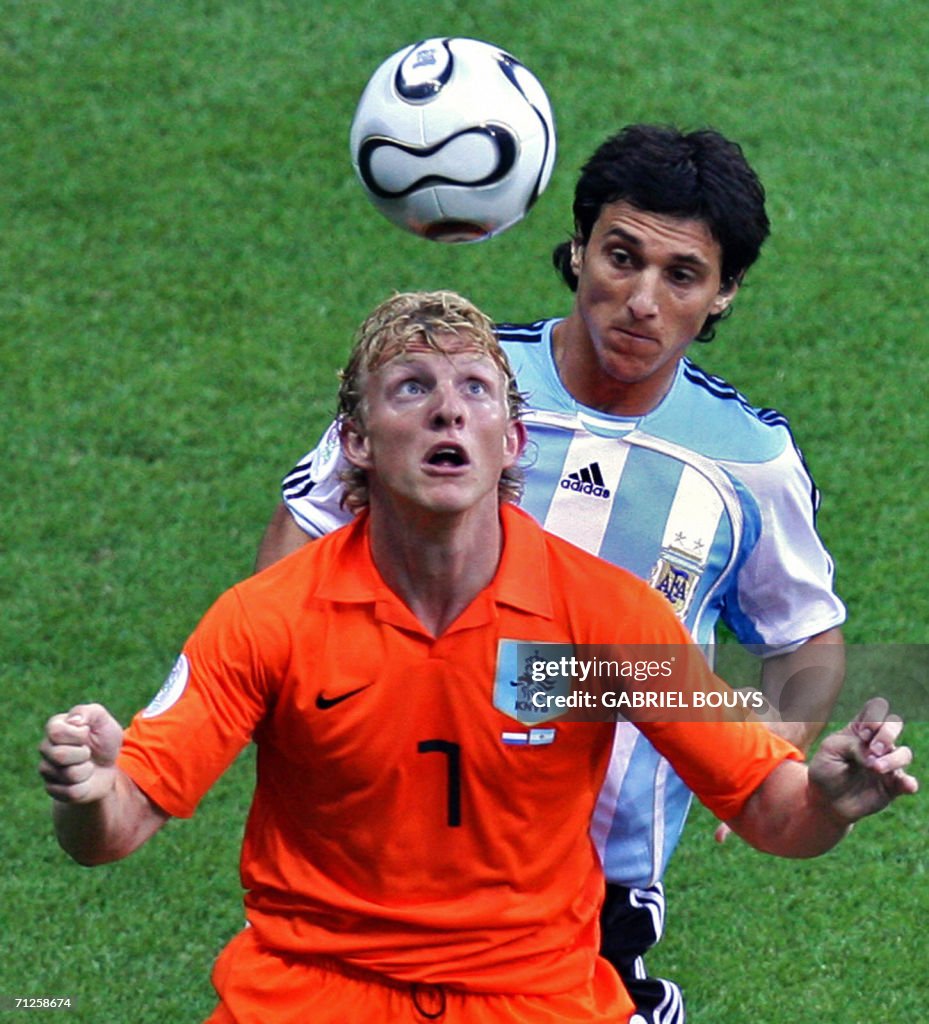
327,455
171,690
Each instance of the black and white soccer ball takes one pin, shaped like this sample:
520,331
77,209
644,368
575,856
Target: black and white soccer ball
453,139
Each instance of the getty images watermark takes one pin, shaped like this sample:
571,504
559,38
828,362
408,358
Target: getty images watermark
578,676
538,682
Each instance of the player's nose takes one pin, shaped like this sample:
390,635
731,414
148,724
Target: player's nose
642,301
447,407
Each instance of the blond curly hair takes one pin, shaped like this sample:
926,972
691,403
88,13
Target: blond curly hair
410,319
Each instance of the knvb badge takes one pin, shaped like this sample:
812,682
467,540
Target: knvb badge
522,683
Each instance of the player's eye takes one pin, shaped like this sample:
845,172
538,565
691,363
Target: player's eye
621,257
682,275
411,387
477,387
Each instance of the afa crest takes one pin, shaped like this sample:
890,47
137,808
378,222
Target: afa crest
677,581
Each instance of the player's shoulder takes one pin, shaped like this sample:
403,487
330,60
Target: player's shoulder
531,333
297,578
528,348
707,414
566,563
594,582
570,558
525,344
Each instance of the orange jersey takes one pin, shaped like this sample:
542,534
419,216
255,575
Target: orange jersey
394,827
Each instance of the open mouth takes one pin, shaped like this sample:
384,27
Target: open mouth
447,456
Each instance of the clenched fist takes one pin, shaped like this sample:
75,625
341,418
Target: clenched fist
79,754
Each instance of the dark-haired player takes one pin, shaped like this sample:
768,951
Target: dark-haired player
640,457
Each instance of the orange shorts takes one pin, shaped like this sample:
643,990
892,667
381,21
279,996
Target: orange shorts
259,987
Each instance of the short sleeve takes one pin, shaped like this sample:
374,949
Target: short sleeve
203,716
722,763
784,590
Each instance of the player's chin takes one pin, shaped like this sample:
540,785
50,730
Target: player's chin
449,505
458,496
625,367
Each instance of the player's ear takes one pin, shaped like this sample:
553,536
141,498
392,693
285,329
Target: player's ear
725,295
514,441
577,256
355,445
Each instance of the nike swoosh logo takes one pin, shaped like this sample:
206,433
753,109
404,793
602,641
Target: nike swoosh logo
323,702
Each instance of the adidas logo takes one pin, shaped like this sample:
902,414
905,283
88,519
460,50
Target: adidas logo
587,480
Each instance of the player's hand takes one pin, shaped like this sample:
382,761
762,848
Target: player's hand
860,769
79,754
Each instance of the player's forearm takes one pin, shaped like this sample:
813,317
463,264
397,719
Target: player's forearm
789,816
804,686
110,828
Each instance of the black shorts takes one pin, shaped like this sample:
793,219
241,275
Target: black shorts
631,922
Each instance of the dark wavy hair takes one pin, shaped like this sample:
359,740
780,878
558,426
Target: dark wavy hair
699,175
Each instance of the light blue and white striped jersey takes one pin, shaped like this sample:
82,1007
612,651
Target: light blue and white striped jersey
704,496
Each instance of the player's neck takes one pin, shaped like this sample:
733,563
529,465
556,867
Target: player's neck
437,565
588,383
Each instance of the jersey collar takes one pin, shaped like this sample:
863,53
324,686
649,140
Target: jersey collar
521,580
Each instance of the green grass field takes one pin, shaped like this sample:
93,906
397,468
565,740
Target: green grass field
184,253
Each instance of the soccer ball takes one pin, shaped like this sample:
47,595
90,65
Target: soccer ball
453,139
